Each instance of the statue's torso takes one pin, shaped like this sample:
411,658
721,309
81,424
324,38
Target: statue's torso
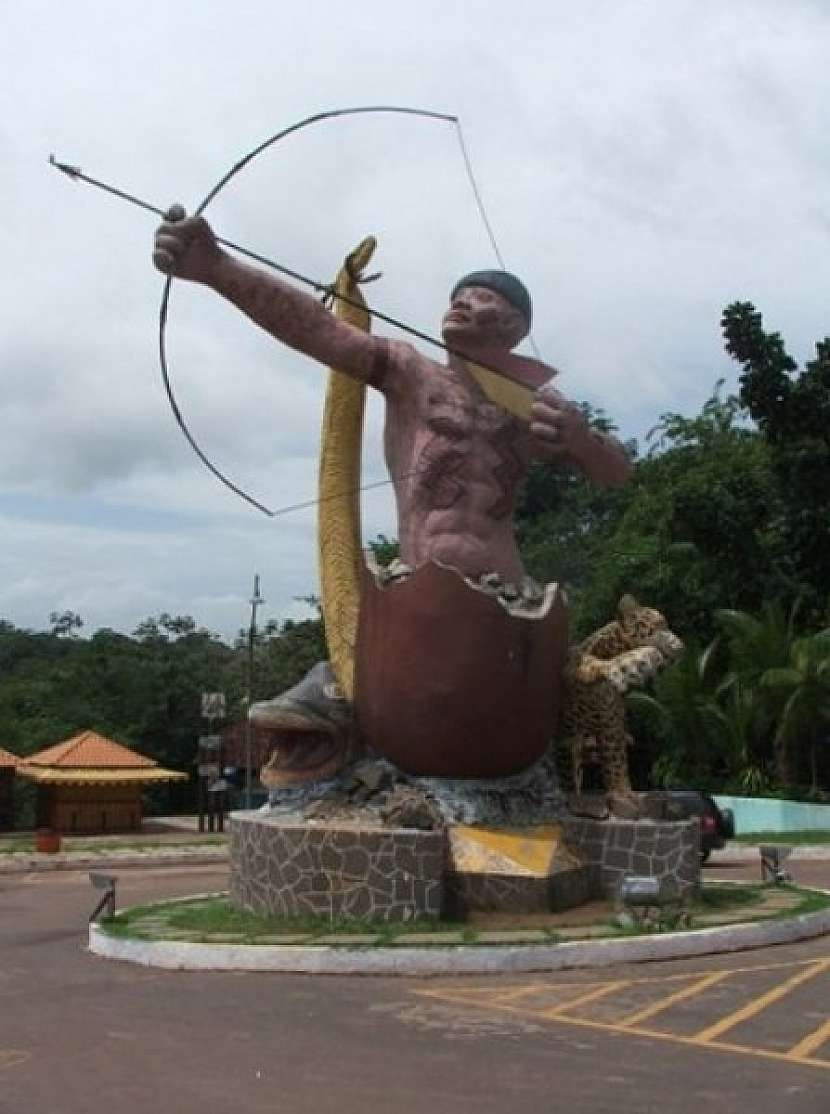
457,460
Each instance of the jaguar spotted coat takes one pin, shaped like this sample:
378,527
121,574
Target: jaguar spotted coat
598,673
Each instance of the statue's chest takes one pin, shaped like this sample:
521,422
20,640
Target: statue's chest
460,411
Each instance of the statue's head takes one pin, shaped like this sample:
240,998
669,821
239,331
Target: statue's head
490,308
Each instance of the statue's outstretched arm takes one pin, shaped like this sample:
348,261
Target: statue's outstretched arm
186,248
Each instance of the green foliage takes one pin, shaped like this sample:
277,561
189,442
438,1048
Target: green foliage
678,722
384,549
750,713
143,691
803,837
286,654
693,536
801,691
792,410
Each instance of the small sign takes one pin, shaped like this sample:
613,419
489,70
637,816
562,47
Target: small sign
210,742
213,705
209,769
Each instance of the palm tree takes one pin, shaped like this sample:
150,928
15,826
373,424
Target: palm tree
681,714
803,688
757,645
739,716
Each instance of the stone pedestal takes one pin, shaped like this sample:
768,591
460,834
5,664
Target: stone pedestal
668,850
290,867
287,866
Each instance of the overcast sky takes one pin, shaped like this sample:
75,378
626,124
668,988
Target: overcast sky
643,163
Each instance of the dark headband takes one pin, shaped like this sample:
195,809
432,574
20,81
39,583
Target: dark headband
511,289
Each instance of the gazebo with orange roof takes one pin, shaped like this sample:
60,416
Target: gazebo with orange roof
91,784
8,764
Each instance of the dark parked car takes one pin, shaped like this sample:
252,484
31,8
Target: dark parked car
717,825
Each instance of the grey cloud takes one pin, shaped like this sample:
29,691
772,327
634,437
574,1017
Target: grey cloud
642,164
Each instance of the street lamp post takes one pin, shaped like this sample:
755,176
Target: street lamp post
256,601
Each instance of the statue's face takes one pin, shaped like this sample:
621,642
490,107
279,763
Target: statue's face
480,316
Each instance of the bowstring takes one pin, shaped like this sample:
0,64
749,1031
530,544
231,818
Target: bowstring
468,165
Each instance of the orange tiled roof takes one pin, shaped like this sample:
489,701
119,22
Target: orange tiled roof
8,760
89,749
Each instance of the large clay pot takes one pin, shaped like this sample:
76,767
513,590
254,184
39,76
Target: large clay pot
47,840
449,683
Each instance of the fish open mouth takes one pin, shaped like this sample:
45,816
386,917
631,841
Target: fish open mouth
300,756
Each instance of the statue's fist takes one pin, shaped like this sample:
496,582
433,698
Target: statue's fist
557,426
185,246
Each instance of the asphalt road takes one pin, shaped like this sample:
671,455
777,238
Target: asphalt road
747,1032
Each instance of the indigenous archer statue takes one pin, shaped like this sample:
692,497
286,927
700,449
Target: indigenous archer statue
459,656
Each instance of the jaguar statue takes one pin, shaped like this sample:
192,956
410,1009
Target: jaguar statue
598,672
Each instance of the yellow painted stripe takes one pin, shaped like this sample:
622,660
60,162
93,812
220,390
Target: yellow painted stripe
439,991
811,1042
518,992
532,848
678,996
11,1057
650,1034
588,996
758,1005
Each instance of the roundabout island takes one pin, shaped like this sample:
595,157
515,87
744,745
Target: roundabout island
205,932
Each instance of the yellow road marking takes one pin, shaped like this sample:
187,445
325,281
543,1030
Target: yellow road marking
589,996
811,1042
11,1057
801,1053
519,992
757,1005
464,993
678,996
650,1034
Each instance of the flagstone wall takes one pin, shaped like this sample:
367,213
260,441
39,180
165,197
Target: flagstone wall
645,848
291,869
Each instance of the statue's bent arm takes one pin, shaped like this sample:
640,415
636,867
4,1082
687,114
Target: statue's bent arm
560,434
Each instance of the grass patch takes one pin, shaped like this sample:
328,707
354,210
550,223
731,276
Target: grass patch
132,844
811,902
9,846
218,915
127,922
727,898
201,919
714,898
801,838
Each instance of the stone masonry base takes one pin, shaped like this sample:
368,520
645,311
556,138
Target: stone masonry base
668,850
287,867
292,869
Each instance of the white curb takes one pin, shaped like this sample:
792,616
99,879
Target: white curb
468,959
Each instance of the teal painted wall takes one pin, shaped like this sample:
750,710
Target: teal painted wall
762,814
